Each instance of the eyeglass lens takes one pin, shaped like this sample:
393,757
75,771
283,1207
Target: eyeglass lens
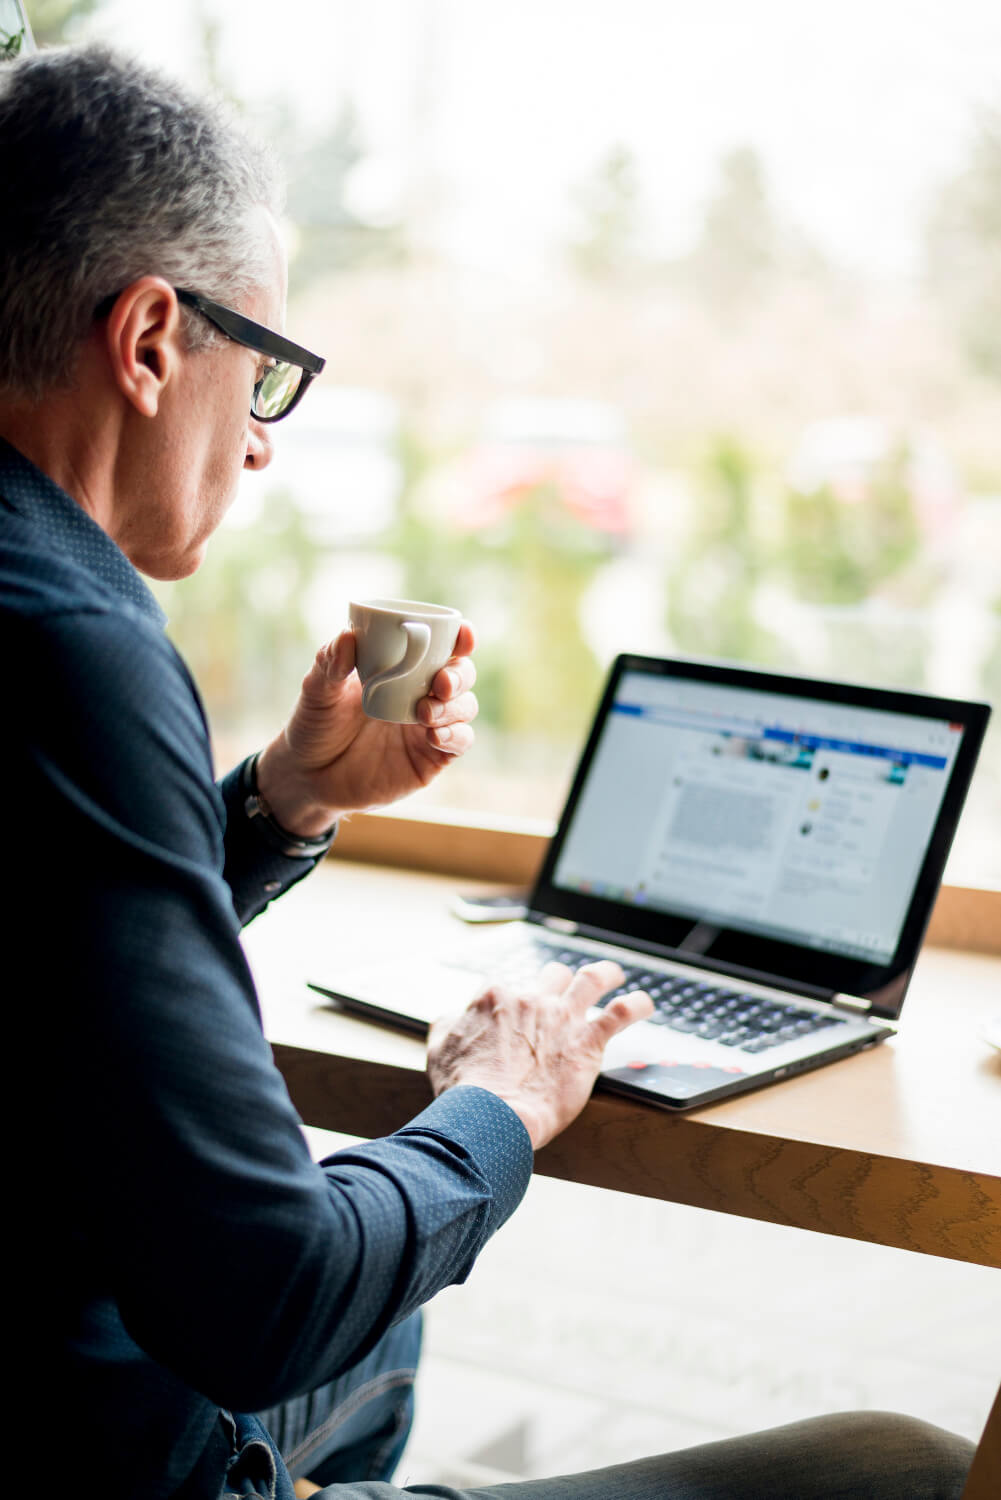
276,389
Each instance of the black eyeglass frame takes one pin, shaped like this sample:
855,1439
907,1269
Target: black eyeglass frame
251,335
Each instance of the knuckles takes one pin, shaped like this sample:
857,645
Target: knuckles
559,982
490,1000
628,1008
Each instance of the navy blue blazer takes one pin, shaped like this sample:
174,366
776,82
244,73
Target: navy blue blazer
182,1252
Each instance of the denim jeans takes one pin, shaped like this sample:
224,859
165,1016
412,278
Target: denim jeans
349,1435
353,1428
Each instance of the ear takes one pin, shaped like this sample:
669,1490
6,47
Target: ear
142,342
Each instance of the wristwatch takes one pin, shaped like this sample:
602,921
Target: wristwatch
279,838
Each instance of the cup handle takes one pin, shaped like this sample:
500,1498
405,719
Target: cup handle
418,640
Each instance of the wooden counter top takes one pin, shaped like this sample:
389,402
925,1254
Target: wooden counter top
900,1145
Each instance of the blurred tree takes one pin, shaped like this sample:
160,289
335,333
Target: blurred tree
53,20
523,579
963,249
239,621
713,583
543,672
741,240
208,26
330,237
607,208
838,551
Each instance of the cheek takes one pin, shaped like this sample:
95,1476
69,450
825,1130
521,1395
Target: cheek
229,449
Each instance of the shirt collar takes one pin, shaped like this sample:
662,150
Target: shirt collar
67,528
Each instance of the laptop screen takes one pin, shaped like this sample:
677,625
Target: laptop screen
797,812
793,818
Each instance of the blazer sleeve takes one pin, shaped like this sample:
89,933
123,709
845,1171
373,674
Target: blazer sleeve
255,872
184,1185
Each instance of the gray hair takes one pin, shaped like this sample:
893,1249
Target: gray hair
112,172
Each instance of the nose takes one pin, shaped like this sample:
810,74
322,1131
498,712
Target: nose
260,448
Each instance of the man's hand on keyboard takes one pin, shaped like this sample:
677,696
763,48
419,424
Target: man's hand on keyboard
539,1047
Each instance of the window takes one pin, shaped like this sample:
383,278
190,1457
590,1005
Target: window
648,327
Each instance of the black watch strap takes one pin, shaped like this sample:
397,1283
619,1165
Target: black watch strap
274,835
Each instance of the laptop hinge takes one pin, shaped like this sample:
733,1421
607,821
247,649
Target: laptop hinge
854,1003
560,924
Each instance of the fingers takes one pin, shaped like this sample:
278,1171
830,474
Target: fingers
451,685
537,1046
582,988
593,981
448,720
465,641
454,680
337,658
451,705
588,983
459,704
554,978
620,1013
436,715
453,739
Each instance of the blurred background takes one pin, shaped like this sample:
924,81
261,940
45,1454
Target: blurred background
650,327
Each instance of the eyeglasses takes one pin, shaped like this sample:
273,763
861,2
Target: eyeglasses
283,383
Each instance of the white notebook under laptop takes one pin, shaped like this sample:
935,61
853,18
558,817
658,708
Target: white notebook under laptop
759,852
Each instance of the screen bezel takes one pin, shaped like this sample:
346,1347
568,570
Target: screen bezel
814,971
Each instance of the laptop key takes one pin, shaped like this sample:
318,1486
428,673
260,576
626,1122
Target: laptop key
737,1038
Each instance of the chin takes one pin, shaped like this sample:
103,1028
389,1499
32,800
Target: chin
190,563
170,569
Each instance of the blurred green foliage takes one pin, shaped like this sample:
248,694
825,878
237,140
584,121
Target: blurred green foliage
606,205
53,20
541,562
11,43
742,241
329,236
838,551
524,577
713,582
239,621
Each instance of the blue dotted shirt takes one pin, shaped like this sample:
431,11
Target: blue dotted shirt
185,1253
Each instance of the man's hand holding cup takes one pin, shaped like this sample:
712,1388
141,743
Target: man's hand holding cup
339,754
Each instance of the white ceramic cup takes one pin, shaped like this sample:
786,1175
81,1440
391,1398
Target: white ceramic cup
400,644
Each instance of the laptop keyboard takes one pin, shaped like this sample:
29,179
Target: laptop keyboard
715,1012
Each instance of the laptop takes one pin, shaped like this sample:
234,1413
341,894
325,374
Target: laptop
759,852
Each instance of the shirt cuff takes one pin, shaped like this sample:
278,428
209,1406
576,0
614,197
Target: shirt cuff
266,825
493,1135
255,871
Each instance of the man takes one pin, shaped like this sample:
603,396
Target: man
183,1262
